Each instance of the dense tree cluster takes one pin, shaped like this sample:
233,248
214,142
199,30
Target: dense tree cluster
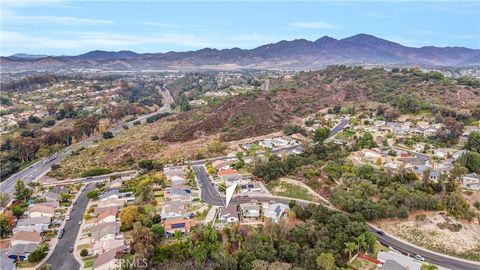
320,238
376,194
293,129
275,167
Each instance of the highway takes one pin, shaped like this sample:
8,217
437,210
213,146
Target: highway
61,257
42,166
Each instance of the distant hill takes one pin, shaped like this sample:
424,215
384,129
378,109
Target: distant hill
361,49
27,56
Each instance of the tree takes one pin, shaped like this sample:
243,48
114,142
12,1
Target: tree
471,160
4,198
6,224
84,252
18,210
22,193
158,230
321,134
473,142
39,253
349,248
143,242
130,214
64,197
366,141
107,135
326,261
93,195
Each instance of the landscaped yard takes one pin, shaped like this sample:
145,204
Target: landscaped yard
363,264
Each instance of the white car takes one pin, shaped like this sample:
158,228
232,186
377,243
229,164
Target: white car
67,218
420,258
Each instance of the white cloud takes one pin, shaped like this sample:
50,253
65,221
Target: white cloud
314,25
9,17
13,41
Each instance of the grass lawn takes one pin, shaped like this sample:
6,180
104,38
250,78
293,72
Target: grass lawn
347,133
26,164
88,264
378,247
149,208
289,190
26,264
86,246
363,264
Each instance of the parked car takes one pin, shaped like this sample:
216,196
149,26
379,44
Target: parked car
71,249
60,233
380,232
80,222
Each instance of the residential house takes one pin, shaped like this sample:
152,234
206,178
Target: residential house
250,210
458,154
104,246
116,184
108,260
110,194
231,179
20,252
41,211
222,173
53,204
177,181
221,165
104,231
25,237
50,195
109,215
471,181
434,175
99,210
391,265
176,194
250,187
400,259
111,202
36,224
182,225
173,209
229,214
275,211
423,124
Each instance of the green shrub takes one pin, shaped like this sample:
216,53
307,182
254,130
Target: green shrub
96,171
84,253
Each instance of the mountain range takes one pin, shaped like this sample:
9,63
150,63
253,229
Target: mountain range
361,49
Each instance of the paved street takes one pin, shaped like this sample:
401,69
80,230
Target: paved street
61,257
208,194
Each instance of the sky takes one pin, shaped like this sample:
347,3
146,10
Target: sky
59,27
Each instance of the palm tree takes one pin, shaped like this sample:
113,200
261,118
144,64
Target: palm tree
349,248
361,242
